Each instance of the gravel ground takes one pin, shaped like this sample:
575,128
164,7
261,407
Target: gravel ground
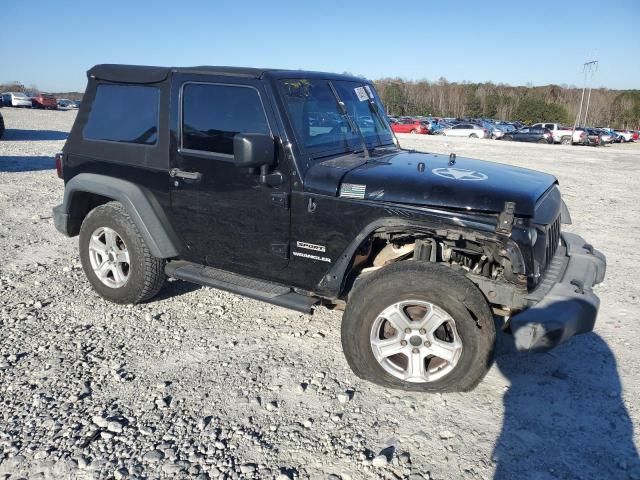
182,388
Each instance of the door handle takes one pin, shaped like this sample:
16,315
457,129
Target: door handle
193,176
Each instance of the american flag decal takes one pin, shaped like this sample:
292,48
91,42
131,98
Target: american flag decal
352,190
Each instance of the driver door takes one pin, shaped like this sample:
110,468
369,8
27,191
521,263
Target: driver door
226,217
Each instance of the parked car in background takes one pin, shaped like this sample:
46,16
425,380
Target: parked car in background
530,134
626,135
605,136
66,104
409,125
466,130
498,132
615,137
562,134
594,138
15,99
44,100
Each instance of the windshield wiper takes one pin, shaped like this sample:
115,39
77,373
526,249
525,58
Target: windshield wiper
373,106
353,125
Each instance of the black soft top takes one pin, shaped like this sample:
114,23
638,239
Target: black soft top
149,74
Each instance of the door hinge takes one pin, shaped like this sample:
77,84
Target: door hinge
280,249
505,219
280,199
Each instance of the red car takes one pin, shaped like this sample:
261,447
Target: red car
408,125
43,100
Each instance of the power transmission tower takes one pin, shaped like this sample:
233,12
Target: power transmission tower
588,70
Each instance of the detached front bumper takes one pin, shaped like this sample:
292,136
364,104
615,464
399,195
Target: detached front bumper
564,304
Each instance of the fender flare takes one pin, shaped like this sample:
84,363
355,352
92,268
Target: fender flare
140,203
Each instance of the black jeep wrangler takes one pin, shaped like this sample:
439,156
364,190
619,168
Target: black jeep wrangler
289,187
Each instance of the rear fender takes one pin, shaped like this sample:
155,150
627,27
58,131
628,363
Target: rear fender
140,203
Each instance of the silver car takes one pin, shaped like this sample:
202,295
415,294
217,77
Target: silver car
15,99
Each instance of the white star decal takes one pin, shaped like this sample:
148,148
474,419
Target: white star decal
459,174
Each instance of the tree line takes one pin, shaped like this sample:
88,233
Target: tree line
551,103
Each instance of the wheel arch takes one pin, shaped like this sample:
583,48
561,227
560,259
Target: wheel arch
86,191
335,284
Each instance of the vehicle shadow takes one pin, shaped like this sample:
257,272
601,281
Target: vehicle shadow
18,135
26,164
563,414
175,288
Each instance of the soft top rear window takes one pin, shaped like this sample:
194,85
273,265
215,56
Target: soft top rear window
124,113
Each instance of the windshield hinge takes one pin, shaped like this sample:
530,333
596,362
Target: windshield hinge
506,217
280,199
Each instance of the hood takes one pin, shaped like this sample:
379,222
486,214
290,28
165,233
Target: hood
428,179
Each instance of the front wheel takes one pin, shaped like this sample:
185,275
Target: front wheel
116,259
473,135
420,327
566,140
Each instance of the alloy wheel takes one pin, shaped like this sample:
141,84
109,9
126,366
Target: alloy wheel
416,341
109,257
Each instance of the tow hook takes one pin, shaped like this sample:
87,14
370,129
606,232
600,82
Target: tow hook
579,284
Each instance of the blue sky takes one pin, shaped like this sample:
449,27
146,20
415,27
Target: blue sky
514,42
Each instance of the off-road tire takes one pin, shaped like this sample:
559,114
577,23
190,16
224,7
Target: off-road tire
146,272
435,283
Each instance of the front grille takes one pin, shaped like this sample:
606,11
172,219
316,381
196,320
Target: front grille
552,241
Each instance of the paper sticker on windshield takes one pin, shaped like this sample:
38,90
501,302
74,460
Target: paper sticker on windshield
362,95
369,91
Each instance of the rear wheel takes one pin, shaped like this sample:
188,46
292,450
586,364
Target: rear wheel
116,259
414,131
542,140
473,135
508,138
565,140
418,326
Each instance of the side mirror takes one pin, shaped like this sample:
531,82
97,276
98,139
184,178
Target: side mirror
251,150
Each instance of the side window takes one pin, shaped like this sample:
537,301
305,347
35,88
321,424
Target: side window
213,114
524,130
548,125
124,113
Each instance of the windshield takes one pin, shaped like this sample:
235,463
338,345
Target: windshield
319,122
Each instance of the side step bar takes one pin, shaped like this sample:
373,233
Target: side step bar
246,286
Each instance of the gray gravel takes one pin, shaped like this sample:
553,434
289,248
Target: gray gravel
205,384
